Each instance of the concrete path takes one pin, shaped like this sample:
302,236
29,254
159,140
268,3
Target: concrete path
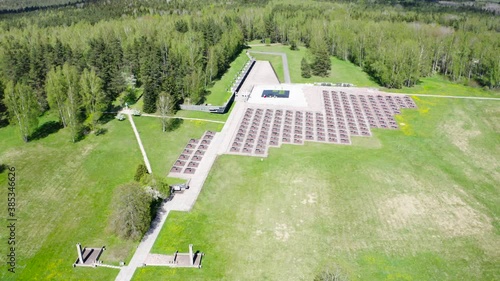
140,255
146,160
231,127
285,63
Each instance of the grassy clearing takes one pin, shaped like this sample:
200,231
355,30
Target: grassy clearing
63,194
438,85
219,93
418,203
342,71
276,61
163,148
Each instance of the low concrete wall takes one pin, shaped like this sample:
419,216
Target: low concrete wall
204,108
234,89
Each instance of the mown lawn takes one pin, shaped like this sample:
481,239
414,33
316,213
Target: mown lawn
342,71
219,90
63,195
420,203
438,85
64,192
163,148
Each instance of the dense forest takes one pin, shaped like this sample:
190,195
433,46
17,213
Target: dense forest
77,60
11,6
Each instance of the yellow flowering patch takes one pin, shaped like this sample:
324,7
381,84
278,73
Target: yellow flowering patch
423,105
404,125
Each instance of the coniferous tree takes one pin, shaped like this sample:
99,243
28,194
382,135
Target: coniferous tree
4,117
305,68
150,74
37,73
321,65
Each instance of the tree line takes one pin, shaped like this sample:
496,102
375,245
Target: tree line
79,77
396,48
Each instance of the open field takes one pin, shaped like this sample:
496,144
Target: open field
80,178
163,148
438,85
219,93
342,71
63,194
275,61
418,203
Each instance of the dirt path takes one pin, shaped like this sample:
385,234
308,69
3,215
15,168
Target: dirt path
285,63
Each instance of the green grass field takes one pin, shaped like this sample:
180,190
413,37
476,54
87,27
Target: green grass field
342,71
438,85
64,191
419,203
163,148
219,93
63,194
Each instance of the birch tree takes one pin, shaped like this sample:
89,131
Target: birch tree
165,105
93,96
22,106
73,101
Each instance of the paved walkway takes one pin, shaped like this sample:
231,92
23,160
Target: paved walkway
131,119
285,63
140,255
231,127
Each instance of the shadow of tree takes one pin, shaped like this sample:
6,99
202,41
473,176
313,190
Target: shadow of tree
174,124
45,130
106,117
4,122
100,131
3,168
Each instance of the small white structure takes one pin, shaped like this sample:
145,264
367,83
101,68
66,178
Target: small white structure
191,259
88,256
